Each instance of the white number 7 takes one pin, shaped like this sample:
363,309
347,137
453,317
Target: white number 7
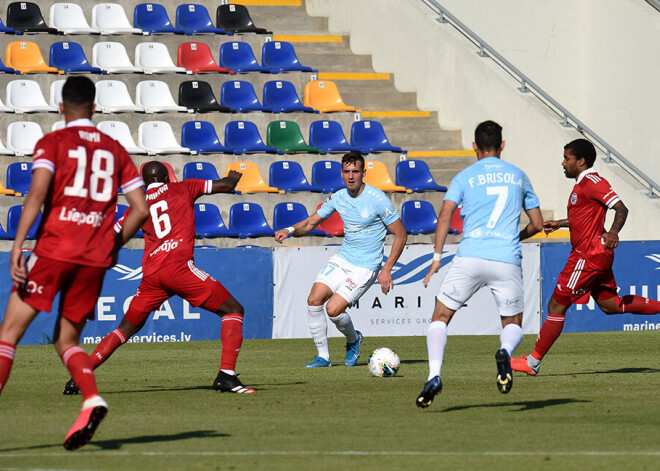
502,193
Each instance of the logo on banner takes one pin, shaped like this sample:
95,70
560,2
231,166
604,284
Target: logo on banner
130,274
656,258
415,270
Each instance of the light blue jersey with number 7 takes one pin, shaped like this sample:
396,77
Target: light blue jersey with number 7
493,194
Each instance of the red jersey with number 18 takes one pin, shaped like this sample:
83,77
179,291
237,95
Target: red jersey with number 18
88,167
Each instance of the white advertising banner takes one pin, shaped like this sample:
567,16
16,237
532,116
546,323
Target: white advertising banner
407,309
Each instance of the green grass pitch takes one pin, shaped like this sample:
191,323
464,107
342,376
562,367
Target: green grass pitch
595,405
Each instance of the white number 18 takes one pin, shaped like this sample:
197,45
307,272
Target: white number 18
100,180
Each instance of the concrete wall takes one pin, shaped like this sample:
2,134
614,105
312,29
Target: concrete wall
585,54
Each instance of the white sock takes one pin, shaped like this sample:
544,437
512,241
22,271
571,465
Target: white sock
345,325
229,372
318,326
533,362
436,340
511,337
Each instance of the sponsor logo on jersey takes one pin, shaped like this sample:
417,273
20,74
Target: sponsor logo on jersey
93,218
351,284
166,246
574,198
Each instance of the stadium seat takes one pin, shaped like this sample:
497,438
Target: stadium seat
4,150
8,30
200,137
154,58
456,223
170,170
110,18
152,18
240,96
57,125
8,70
120,209
323,96
279,56
113,58
198,96
329,136
243,136
120,131
155,97
369,136
19,176
288,176
112,97
236,18
22,136
25,57
68,18
416,176
5,108
288,214
70,57
281,97
157,137
378,177
197,58
13,216
25,97
286,137
195,19
251,181
326,175
201,170
26,17
238,56
8,192
248,220
333,226
209,223
418,217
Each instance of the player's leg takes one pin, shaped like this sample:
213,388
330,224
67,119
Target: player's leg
318,325
611,303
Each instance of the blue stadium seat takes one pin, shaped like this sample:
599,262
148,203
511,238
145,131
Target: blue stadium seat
8,70
279,56
240,96
248,220
243,136
209,223
8,30
416,176
329,136
289,176
152,18
13,216
119,212
238,56
201,138
369,136
418,217
19,176
326,175
70,57
281,97
195,19
287,214
201,170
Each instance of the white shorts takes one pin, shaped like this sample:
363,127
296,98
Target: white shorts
345,279
467,275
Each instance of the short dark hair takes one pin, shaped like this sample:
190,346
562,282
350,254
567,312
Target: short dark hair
582,149
78,91
351,158
488,136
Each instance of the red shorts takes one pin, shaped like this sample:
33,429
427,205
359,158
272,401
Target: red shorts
580,278
184,280
79,287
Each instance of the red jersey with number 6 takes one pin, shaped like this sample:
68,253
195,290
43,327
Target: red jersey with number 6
88,167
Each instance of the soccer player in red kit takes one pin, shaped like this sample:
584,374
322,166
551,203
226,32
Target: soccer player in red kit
168,269
76,173
588,270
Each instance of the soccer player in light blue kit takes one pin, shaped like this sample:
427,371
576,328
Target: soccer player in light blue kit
367,214
493,194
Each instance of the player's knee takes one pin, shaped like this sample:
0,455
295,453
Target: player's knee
313,300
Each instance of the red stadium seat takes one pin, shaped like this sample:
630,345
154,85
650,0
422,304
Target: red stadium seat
333,226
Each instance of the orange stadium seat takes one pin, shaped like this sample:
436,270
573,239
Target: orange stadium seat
26,57
323,95
378,176
252,181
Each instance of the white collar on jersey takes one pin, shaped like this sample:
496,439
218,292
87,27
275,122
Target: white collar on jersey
154,185
584,174
83,122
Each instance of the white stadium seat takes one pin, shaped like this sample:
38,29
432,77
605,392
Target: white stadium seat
56,93
120,131
25,97
154,58
57,125
22,136
112,97
157,137
110,18
155,97
70,19
5,108
112,56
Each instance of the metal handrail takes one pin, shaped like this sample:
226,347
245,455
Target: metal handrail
654,3
528,86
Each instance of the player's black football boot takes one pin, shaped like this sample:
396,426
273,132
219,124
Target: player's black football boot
230,383
504,373
431,388
70,388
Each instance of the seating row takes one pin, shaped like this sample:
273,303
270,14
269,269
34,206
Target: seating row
24,57
110,18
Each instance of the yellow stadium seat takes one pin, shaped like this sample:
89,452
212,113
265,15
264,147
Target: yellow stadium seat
378,176
26,57
323,96
251,181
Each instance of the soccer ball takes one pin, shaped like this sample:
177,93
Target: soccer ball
383,362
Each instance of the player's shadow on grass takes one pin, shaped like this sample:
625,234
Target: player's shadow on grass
524,405
608,372
412,362
158,388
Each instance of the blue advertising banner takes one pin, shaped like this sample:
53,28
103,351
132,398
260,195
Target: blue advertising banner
637,271
246,273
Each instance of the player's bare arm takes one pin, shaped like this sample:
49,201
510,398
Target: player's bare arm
300,228
535,224
227,184
551,226
441,231
400,238
611,237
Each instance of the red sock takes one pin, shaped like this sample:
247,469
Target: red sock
550,331
80,367
231,337
638,305
7,352
107,346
